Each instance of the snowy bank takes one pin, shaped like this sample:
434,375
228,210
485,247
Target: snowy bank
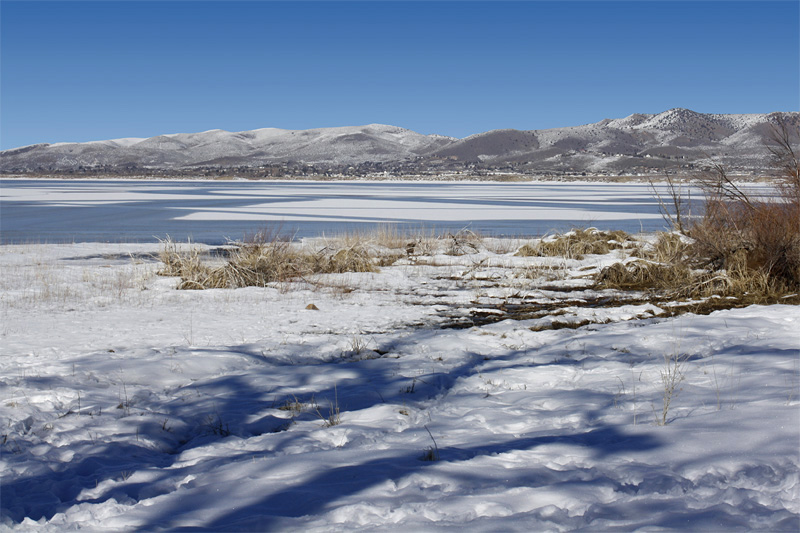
128,405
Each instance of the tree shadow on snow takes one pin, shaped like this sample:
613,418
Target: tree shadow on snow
320,492
244,405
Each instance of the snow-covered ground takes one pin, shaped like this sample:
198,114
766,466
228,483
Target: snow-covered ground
129,405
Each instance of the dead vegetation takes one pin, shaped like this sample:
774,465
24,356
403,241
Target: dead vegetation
642,275
261,260
267,257
576,244
248,264
463,242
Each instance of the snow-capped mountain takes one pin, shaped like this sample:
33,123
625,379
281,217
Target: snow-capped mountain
677,138
337,146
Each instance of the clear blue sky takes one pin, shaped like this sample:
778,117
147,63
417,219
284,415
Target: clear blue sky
80,71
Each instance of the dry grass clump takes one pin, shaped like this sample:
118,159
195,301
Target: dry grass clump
428,243
353,258
382,246
259,264
463,242
668,247
261,261
186,264
727,257
388,236
739,280
502,245
678,280
251,264
644,275
576,243
527,250
177,261
388,259
420,245
541,272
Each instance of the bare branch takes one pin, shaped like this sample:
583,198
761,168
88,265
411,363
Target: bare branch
719,186
677,215
784,146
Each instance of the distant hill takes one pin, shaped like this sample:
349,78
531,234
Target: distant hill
676,139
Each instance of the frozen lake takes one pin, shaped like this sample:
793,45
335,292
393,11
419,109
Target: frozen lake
214,211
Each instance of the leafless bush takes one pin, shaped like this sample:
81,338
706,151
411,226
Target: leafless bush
750,235
784,146
750,243
672,376
676,207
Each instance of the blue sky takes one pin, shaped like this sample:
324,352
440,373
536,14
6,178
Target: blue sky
80,71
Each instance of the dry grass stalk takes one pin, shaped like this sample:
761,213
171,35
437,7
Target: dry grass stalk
389,237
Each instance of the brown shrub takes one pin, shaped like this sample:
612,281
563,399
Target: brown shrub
783,147
751,236
748,243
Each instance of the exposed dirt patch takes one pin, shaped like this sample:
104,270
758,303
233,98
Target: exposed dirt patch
482,314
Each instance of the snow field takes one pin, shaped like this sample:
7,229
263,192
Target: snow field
129,405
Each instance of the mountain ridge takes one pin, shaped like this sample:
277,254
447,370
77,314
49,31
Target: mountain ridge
639,143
